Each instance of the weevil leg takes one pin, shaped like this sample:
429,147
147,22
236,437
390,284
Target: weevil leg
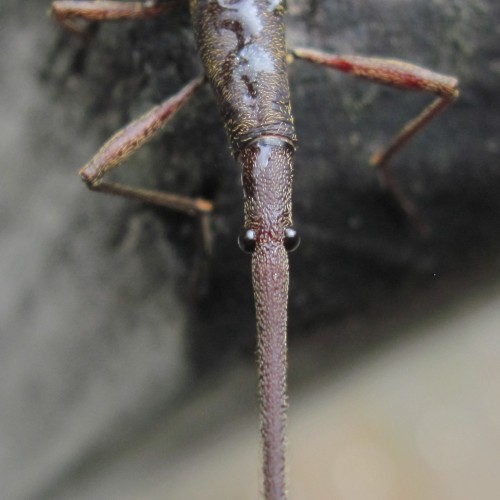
69,12
403,76
128,140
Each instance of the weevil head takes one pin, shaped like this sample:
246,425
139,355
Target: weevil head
267,184
268,233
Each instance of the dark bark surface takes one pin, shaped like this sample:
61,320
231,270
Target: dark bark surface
112,318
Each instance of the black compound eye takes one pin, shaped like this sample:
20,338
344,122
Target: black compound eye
291,240
247,239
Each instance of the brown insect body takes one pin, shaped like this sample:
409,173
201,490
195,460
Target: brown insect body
242,46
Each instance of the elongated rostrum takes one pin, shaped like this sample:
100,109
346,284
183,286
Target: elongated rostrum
242,46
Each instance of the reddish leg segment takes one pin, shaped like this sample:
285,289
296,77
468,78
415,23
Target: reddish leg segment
68,12
404,76
128,140
107,10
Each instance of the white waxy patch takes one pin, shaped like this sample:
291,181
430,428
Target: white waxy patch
246,13
254,60
263,160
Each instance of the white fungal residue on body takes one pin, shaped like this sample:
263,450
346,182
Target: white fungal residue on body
249,58
246,13
254,60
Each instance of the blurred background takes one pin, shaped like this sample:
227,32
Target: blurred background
127,354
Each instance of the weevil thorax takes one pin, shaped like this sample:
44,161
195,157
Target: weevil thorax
242,47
